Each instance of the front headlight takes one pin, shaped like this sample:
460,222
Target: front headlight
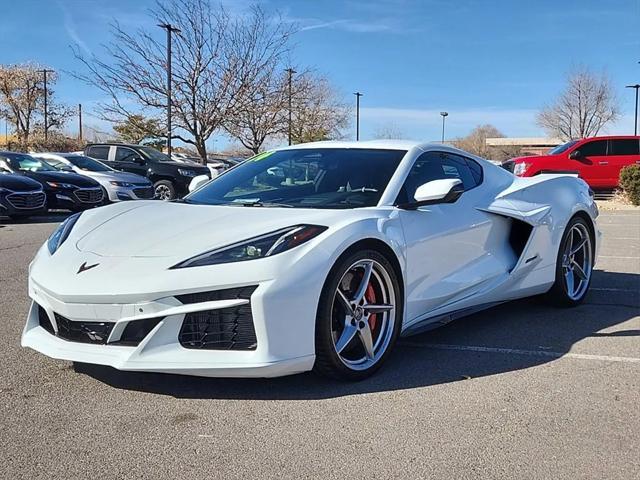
258,247
121,184
186,173
66,186
61,233
520,168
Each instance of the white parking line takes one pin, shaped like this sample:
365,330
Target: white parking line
623,258
515,351
604,289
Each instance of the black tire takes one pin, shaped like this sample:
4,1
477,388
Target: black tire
328,363
164,190
559,294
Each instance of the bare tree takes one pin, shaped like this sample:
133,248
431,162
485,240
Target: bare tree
586,105
388,131
216,58
22,101
318,111
261,113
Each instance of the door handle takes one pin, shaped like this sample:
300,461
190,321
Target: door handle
603,163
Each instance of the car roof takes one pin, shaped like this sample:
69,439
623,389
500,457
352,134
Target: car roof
372,144
610,137
117,144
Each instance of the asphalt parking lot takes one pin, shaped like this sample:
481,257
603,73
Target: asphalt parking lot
520,391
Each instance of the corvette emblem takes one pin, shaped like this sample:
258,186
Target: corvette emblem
84,267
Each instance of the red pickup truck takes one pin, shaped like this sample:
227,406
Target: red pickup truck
597,160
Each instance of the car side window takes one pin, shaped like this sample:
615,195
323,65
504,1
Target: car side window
627,146
124,154
99,151
437,166
54,163
593,149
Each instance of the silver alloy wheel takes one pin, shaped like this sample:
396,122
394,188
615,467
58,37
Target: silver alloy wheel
577,261
163,192
363,314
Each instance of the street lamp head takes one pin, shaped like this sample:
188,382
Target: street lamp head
358,94
444,114
637,85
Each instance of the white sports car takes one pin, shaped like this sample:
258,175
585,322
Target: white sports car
316,256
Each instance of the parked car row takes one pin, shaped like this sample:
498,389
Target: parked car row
597,160
32,183
170,179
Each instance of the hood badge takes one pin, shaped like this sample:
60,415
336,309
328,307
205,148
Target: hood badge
84,267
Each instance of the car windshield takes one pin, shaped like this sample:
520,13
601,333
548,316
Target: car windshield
154,154
305,178
27,163
88,164
562,148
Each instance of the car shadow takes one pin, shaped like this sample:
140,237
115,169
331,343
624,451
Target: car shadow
55,216
432,358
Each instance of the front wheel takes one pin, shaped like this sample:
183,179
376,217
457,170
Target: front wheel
164,190
574,265
359,316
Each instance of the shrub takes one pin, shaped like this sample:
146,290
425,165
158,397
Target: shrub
630,182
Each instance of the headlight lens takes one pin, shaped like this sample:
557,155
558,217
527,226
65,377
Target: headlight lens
520,168
186,173
121,184
61,185
61,233
258,247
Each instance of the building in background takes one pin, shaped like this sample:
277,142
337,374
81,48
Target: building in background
524,145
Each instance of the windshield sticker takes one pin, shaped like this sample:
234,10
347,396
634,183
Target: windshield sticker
261,156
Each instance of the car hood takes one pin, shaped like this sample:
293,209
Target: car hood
531,158
164,229
117,176
18,183
63,177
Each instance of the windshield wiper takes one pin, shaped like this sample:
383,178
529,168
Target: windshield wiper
258,203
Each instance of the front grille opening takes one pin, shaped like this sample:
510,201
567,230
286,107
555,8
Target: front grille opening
222,329
83,332
136,331
44,320
225,294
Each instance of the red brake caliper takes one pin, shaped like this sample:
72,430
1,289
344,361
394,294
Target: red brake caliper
370,295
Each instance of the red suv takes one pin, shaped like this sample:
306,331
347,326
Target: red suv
596,160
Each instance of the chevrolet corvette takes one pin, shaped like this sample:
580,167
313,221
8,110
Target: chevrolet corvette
312,257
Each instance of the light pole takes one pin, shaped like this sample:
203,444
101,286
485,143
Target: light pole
444,115
80,121
635,124
290,71
358,95
170,29
45,71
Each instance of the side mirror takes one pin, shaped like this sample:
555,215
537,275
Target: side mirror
575,155
197,182
446,190
66,168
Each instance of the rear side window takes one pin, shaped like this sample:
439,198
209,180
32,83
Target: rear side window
99,152
437,166
627,146
593,149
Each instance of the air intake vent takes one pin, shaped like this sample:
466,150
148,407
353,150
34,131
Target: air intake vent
226,294
83,332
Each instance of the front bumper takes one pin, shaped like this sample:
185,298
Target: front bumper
23,203
119,194
75,199
277,351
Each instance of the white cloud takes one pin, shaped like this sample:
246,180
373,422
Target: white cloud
70,28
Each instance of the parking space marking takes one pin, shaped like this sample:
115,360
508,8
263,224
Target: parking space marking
606,289
617,257
515,351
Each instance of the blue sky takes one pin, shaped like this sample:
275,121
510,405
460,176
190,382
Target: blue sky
489,61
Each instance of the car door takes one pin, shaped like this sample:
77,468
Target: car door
99,152
591,162
452,249
128,160
621,153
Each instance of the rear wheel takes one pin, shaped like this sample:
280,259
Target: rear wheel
574,265
359,316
